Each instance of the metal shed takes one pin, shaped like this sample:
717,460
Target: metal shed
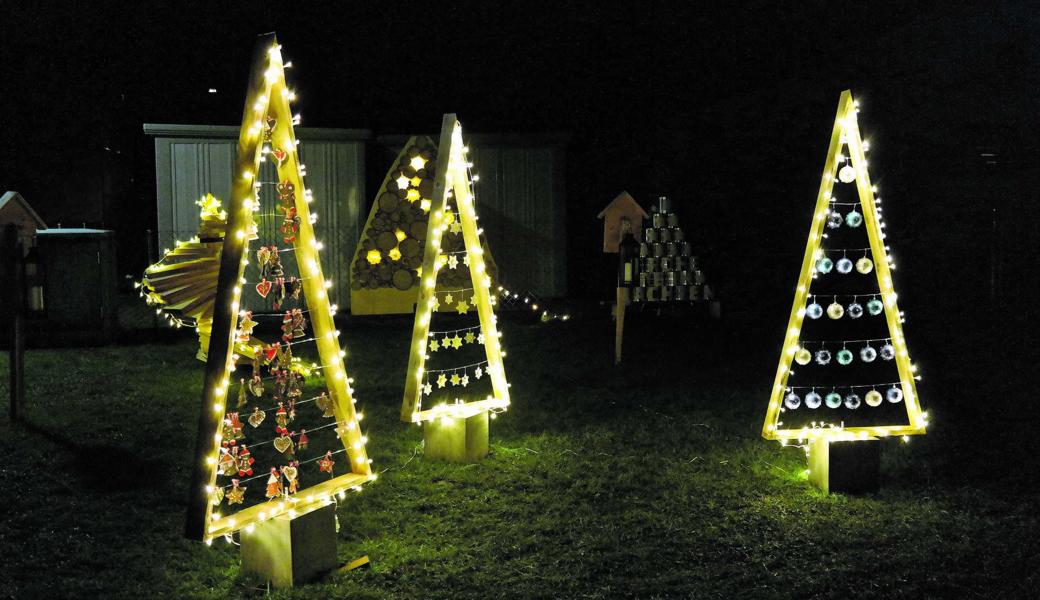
192,160
521,200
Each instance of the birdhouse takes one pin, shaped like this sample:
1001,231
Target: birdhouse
15,210
622,208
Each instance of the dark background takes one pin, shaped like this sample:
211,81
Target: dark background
726,107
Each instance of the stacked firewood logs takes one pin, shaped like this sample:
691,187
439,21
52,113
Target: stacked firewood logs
393,243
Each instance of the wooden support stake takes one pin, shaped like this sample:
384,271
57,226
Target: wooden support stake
457,439
288,551
845,466
619,322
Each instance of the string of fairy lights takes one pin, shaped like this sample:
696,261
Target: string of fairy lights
289,374
840,266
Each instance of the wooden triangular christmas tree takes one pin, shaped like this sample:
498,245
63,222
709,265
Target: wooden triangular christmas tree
301,475
386,263
854,376
452,211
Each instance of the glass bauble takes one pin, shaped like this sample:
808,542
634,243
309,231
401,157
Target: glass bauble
803,356
823,356
864,265
844,356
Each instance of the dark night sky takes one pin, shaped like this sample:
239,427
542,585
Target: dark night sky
726,109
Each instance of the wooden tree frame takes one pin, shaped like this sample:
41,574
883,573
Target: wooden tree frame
267,95
846,131
452,178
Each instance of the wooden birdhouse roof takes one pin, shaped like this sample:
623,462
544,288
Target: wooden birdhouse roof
624,204
10,200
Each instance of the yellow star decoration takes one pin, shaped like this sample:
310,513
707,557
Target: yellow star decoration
402,182
416,181
427,389
470,337
448,298
456,227
236,495
417,162
436,303
479,372
442,380
453,262
465,380
465,259
462,307
434,346
455,379
456,341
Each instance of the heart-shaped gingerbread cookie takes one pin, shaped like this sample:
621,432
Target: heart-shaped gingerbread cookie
263,288
283,444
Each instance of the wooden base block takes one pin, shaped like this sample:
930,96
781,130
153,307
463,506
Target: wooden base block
847,467
287,552
457,440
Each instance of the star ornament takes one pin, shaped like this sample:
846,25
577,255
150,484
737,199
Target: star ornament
470,338
448,298
402,182
456,341
479,372
236,494
455,379
417,162
465,380
428,389
453,262
434,345
325,464
480,339
442,380
462,307
456,227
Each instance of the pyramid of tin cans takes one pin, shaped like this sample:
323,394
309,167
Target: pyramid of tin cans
668,269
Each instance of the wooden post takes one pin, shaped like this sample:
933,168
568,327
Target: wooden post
288,551
12,251
845,466
619,322
457,439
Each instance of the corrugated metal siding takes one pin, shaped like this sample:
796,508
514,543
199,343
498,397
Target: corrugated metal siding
522,210
188,167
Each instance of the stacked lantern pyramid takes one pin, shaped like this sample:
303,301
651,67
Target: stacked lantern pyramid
845,370
281,437
668,269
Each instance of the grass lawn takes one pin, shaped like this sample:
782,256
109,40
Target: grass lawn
648,480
